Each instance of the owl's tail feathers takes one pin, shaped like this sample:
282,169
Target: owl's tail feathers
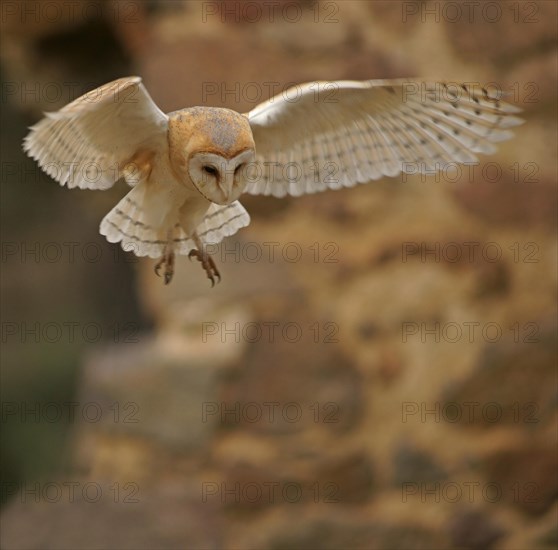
126,223
222,221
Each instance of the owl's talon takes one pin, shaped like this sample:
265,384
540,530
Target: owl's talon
168,261
214,269
208,265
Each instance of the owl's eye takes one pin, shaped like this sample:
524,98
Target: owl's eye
210,170
238,168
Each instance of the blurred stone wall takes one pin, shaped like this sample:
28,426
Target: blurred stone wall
387,378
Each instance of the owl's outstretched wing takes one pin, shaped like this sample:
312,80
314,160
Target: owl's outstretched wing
108,133
328,135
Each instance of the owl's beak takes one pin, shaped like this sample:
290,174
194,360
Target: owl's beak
226,183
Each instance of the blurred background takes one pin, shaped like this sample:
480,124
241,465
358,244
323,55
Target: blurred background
377,367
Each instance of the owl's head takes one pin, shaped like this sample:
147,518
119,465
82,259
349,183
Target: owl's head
211,149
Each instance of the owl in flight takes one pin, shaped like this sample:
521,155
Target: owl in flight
188,168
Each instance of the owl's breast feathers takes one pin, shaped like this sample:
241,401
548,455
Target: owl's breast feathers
208,129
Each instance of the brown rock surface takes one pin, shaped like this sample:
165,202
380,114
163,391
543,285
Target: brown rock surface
371,356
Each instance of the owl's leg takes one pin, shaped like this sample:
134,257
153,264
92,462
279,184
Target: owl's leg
167,260
206,260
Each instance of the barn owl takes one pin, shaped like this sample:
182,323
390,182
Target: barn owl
188,168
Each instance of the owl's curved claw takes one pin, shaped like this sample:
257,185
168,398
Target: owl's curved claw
168,261
208,265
